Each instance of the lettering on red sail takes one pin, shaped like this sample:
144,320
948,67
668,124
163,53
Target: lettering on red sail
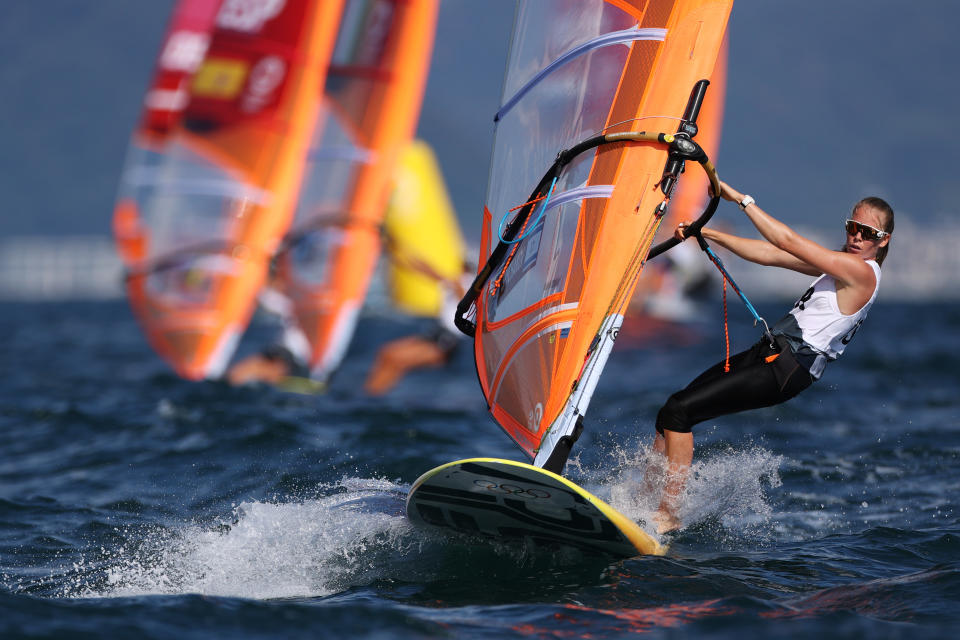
248,16
265,77
184,51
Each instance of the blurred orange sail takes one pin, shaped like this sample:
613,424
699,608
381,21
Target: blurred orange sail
212,181
602,95
370,108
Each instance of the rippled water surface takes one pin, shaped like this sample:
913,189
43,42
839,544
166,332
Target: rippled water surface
135,504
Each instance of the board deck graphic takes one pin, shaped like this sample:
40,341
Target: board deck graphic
510,500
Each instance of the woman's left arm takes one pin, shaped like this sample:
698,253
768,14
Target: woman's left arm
846,268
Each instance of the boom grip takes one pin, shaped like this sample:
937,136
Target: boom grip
695,227
466,327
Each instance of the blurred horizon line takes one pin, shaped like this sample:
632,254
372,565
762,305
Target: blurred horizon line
921,267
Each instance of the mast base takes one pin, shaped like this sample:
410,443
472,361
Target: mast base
558,458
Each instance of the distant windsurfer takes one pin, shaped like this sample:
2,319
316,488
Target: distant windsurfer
814,332
431,349
281,361
286,361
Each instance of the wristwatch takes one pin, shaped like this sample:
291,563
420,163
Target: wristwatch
746,202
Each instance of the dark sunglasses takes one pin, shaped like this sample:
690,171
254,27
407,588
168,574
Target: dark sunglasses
866,231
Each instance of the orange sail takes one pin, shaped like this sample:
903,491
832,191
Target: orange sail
662,291
691,195
613,87
203,206
370,109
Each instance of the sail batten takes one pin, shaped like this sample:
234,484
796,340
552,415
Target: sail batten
618,37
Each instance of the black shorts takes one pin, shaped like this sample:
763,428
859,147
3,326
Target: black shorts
295,367
751,383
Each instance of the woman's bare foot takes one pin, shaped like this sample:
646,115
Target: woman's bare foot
665,522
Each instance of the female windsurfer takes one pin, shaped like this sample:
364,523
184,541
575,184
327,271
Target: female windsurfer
815,331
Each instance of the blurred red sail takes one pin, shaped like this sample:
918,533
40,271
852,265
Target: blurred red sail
210,186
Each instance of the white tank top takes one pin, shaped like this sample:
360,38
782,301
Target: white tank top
817,322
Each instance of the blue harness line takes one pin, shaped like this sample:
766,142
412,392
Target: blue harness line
717,261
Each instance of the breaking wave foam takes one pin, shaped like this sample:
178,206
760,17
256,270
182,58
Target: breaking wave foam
270,550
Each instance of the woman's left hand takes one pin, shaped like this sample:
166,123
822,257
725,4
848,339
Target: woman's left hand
681,231
728,193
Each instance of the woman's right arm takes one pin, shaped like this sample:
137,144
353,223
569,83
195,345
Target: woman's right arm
758,251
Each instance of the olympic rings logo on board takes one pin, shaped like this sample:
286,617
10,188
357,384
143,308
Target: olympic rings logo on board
512,490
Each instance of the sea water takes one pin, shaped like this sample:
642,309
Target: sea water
136,504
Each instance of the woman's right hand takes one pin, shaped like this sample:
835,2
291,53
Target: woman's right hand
680,232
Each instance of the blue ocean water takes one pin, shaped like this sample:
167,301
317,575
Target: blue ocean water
134,504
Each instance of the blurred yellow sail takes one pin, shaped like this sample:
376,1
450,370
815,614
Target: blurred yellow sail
425,244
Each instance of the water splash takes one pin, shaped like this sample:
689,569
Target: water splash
731,487
356,535
269,550
727,487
